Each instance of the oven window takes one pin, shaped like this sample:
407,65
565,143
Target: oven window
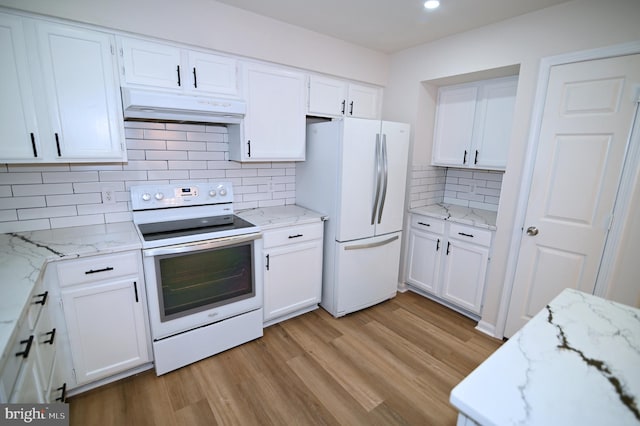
194,282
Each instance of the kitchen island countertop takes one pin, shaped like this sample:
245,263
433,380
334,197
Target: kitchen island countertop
575,362
460,214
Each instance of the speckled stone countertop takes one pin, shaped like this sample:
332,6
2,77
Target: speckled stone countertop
24,255
276,217
465,215
577,362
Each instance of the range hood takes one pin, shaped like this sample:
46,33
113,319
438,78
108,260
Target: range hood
161,106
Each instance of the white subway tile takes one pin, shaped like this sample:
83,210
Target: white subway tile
130,133
459,173
164,155
166,135
25,225
25,168
186,146
8,215
42,189
5,190
187,165
207,174
272,172
146,165
199,128
271,203
94,167
71,177
205,155
488,191
72,199
46,212
143,125
68,222
217,146
456,202
18,178
168,175
243,173
112,176
118,217
136,154
88,209
22,202
146,144
80,188
215,128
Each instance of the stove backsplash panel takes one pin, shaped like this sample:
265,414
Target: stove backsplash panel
36,197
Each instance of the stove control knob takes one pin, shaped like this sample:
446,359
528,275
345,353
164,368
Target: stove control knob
159,196
212,193
146,196
222,191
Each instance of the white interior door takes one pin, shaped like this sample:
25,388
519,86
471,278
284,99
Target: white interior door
585,127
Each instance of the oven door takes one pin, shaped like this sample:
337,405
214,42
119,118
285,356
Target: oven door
196,284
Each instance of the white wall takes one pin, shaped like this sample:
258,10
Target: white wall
415,74
213,25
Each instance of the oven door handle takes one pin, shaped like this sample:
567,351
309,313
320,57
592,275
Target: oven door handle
201,245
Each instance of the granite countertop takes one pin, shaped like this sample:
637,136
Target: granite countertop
576,362
24,255
465,215
279,216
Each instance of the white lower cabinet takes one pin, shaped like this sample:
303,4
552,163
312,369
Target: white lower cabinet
104,304
448,261
293,271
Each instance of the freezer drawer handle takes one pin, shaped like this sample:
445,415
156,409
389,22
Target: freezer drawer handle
371,245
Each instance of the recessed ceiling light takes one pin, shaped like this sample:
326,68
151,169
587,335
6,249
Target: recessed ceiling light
431,4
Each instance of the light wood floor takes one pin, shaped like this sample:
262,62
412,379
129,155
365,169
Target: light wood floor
392,364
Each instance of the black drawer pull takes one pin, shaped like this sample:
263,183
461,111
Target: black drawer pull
344,105
448,247
63,394
58,145
438,245
26,351
178,71
295,236
424,224
95,271
33,145
135,290
465,235
43,300
52,333
267,262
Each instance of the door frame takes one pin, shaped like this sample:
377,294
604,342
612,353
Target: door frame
623,199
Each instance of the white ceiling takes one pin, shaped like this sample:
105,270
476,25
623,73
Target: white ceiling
390,25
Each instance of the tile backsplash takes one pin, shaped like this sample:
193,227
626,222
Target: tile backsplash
470,188
62,195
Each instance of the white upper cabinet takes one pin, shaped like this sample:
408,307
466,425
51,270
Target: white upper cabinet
60,90
336,98
157,65
274,125
473,124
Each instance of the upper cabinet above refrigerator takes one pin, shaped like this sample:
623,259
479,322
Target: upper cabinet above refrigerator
473,124
329,97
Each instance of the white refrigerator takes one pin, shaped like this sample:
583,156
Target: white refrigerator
355,173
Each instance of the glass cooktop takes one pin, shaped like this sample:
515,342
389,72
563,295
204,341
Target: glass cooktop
186,227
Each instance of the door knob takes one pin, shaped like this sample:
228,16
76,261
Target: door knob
532,230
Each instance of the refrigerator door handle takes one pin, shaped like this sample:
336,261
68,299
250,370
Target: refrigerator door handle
371,245
378,178
385,176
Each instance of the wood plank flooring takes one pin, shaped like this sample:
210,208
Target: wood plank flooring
392,364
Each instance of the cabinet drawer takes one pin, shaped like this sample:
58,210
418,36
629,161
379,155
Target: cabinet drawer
14,362
96,268
292,235
426,223
470,234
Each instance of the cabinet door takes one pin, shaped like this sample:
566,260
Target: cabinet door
274,125
19,138
464,274
423,263
28,388
454,125
327,96
494,122
151,64
212,73
82,93
292,278
363,102
106,326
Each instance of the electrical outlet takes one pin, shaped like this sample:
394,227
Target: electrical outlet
108,197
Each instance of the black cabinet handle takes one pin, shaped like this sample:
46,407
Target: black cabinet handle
476,159
344,105
43,300
267,262
295,236
351,108
249,148
26,351
424,224
52,333
195,78
464,160
135,290
63,395
465,235
33,145
95,271
58,145
448,247
438,244
178,71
